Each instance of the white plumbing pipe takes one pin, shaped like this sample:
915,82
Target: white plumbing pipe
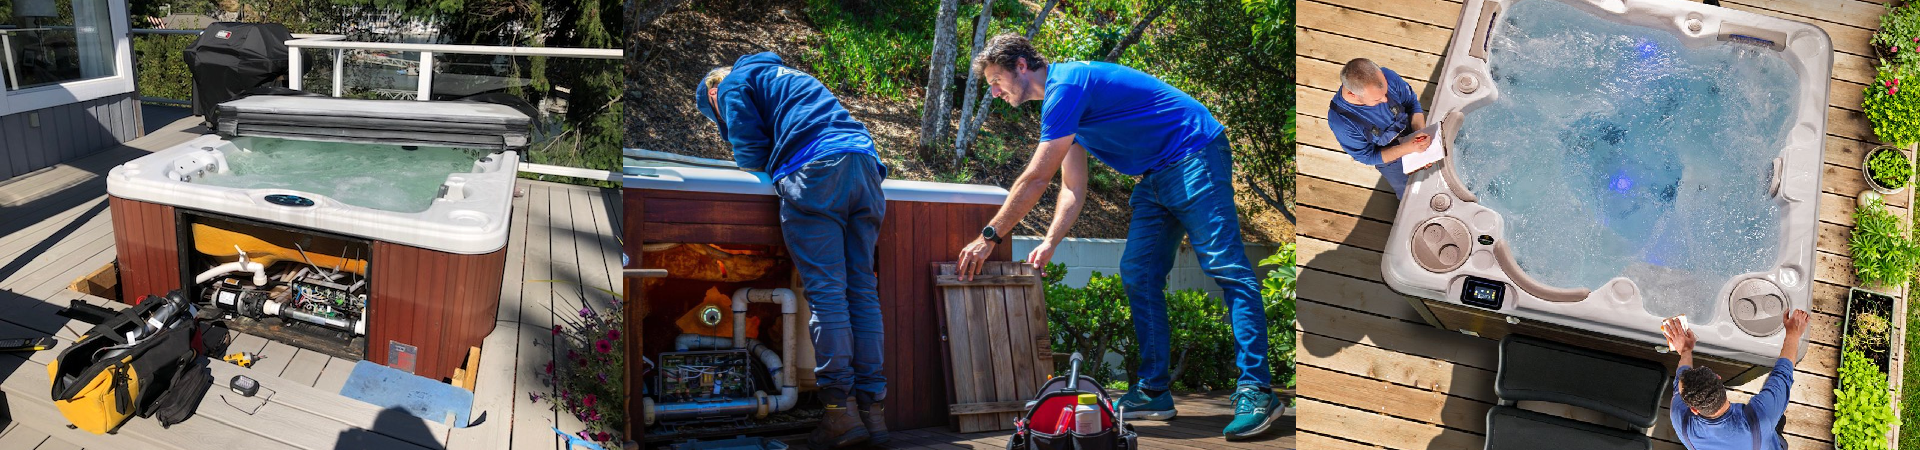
243,265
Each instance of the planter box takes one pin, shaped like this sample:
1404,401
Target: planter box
1864,301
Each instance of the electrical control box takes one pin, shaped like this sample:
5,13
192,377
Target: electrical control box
704,375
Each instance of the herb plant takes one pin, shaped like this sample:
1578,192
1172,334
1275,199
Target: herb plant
1884,254
1862,408
1893,110
1890,168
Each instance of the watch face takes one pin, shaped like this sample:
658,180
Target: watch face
988,232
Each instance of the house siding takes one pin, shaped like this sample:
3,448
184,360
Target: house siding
65,133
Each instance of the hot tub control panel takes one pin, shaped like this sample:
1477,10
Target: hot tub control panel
1483,293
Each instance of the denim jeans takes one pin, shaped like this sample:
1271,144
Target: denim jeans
1191,197
1395,176
830,212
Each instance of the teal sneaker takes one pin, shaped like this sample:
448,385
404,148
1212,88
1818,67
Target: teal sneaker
1254,409
1137,406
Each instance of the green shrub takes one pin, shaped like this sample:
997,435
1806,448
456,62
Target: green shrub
1096,320
1890,167
1277,291
1862,408
1899,34
1894,112
1884,254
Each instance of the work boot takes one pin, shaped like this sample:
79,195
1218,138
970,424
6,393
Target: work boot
840,428
873,415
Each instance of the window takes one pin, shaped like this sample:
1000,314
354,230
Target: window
49,42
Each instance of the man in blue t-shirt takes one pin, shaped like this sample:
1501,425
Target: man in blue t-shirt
1142,126
1710,422
824,169
1374,109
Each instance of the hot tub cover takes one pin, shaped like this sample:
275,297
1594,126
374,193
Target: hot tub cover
398,122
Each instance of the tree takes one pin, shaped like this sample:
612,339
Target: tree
933,118
969,127
1134,35
964,137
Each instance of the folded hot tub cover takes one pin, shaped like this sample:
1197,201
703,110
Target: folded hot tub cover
460,124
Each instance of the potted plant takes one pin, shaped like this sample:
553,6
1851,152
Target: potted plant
1887,169
1893,109
1884,253
1862,405
1898,40
1865,327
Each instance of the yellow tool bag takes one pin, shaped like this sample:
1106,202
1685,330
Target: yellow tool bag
108,376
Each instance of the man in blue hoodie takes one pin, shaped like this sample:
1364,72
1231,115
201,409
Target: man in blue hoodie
1142,126
823,166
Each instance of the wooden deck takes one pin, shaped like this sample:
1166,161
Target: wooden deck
55,227
1372,372
1198,426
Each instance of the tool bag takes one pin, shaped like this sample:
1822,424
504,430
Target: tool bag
103,379
1038,429
182,397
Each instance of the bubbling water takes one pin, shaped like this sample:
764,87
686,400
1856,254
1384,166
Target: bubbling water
383,177
1614,150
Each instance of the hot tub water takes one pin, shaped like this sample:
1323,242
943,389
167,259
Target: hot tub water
1614,150
384,177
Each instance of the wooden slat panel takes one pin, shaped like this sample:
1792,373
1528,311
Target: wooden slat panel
989,343
441,303
146,246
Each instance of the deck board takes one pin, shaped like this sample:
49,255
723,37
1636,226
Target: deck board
1373,373
1198,426
50,236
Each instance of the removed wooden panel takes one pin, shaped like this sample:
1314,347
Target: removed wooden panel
1000,355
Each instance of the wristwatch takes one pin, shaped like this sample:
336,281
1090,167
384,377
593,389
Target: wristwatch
990,234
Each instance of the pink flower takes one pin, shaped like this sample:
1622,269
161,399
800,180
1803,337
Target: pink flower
549,367
602,346
1916,39
585,312
556,330
613,333
602,436
589,401
1892,90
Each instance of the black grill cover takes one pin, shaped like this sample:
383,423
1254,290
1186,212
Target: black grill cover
232,57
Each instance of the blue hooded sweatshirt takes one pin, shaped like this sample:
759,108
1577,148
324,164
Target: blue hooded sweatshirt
778,118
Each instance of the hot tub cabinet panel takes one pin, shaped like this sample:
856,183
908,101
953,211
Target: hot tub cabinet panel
925,223
1448,246
147,247
440,303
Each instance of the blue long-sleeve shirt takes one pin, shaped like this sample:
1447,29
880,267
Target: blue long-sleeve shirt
1731,431
778,118
1364,130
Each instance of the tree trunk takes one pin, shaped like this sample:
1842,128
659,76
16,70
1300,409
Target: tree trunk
933,118
964,138
1134,36
979,117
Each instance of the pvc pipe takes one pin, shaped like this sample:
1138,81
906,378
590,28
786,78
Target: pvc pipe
272,308
694,410
243,265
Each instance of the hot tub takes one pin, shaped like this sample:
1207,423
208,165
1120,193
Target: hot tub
1611,163
414,198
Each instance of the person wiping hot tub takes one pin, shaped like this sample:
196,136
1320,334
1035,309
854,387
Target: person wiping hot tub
1374,109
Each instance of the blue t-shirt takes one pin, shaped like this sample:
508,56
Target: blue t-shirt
1364,130
779,118
1126,118
1731,431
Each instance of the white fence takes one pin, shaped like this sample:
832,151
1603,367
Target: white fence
1084,256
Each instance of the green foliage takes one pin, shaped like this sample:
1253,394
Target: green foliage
587,381
1277,293
1894,111
1862,407
1245,79
1884,253
1093,320
1899,34
1910,388
1890,168
879,51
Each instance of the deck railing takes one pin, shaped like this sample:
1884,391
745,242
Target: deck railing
339,45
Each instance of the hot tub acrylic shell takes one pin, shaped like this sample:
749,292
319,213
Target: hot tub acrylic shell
469,217
1616,308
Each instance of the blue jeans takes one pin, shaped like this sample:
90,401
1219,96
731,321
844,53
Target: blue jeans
1191,197
830,212
1395,176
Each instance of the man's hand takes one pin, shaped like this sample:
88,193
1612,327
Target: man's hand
973,257
1040,255
1679,338
1796,324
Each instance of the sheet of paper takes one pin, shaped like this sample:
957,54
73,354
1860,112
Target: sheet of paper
1433,153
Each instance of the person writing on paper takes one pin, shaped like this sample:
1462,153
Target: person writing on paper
1710,422
1371,114
823,167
